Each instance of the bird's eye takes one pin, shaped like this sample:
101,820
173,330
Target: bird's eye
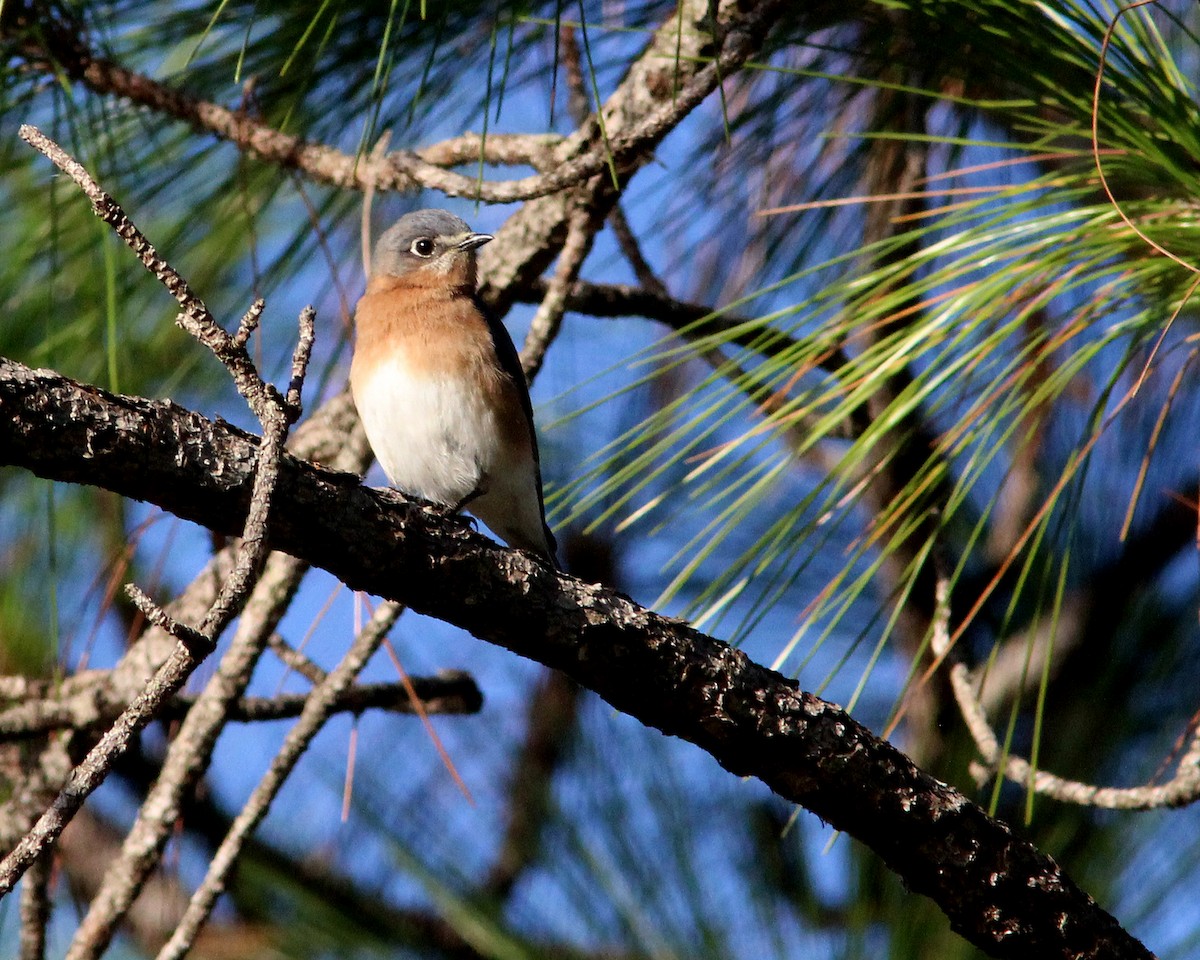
422,247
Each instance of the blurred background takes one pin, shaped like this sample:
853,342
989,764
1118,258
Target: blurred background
900,324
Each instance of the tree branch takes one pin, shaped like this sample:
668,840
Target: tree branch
317,710
675,68
581,157
1182,789
998,891
35,908
693,320
547,321
194,316
276,412
450,691
187,758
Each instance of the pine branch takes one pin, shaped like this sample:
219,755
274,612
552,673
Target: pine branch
59,50
998,891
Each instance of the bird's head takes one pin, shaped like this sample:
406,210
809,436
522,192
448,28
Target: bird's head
428,247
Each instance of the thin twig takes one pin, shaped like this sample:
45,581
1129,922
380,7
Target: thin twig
364,227
403,170
194,317
253,550
546,322
449,691
35,908
94,768
692,320
156,616
579,106
294,659
316,712
1182,789
249,322
628,243
276,414
187,759
300,357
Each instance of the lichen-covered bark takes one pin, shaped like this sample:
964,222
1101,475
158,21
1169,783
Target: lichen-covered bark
998,891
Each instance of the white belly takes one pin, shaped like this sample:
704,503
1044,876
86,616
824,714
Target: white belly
434,438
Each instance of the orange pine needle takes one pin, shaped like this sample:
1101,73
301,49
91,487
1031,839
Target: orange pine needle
421,712
351,757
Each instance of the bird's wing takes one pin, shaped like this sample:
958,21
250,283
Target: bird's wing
510,361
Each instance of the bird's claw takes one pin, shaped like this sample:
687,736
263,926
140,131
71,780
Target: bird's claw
448,511
470,497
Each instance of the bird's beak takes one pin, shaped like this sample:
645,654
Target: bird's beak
472,240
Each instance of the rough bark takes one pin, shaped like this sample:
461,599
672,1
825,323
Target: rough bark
998,891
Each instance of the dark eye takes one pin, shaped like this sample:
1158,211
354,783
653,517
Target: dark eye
422,247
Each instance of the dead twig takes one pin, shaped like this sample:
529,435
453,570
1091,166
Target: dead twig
547,321
35,908
1180,790
317,711
187,759
574,162
276,413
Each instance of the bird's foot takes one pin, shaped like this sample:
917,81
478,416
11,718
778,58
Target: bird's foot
452,511
475,494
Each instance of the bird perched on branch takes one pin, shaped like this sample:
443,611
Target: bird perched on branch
439,386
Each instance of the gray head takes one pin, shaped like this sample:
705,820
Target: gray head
435,242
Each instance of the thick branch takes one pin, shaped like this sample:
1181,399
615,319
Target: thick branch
998,891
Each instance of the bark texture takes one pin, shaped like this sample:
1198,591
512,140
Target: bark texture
998,891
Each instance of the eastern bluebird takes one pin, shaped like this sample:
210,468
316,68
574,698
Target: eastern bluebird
439,386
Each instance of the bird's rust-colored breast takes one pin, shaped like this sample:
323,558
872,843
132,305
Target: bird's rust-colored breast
434,332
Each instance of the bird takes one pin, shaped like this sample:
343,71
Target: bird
438,383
